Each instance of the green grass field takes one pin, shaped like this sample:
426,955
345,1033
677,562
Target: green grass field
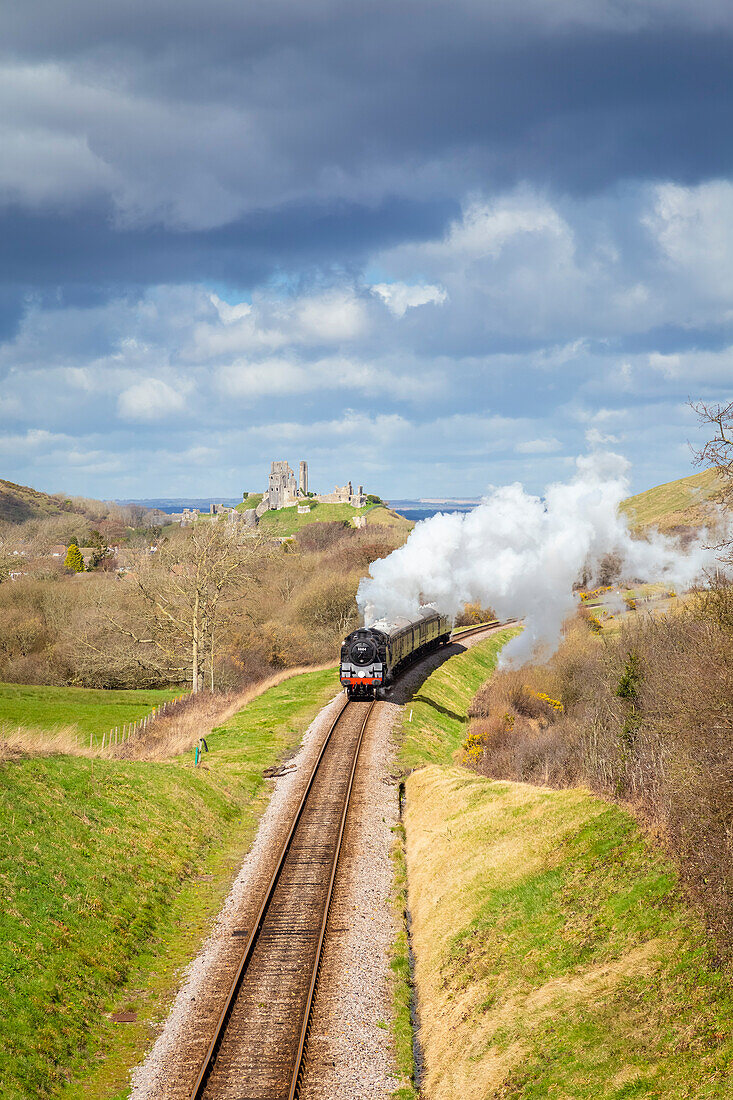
100,864
91,711
387,517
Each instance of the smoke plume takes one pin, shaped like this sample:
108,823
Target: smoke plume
522,555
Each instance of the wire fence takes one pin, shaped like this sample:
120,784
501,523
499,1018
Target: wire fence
117,735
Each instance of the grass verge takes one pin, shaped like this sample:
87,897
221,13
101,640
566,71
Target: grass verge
434,722
555,954
453,685
400,966
112,872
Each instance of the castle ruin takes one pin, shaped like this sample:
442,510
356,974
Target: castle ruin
282,491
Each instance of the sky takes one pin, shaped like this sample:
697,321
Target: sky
427,247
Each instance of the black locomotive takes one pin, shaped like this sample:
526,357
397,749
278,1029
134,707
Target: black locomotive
372,656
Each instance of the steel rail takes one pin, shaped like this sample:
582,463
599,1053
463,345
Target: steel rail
492,625
299,1058
220,1028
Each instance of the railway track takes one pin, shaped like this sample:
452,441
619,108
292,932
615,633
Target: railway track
259,1043
461,634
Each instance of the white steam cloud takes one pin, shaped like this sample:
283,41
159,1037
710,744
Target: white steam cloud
521,555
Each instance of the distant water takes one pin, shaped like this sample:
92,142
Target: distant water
418,509
177,504
411,509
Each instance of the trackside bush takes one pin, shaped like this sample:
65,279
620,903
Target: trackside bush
646,717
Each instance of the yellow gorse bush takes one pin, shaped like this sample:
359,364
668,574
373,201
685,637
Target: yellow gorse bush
473,746
595,593
554,703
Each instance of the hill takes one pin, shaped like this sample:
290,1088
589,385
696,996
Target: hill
19,503
287,521
686,502
252,501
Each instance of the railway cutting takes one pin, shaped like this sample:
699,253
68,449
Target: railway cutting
258,1048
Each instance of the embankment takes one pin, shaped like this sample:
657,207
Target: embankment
555,954
112,873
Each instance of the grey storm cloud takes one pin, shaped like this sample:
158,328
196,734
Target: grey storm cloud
352,226
193,117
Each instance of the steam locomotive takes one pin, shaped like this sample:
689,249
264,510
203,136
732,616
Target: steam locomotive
372,656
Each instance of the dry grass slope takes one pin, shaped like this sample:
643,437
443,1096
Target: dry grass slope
554,954
682,503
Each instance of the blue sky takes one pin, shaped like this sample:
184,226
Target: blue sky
430,247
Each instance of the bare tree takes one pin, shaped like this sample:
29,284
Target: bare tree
136,514
718,451
187,588
718,454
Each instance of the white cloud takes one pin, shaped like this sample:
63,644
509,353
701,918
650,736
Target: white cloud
596,438
668,365
486,228
399,297
34,440
283,376
332,317
538,446
269,377
693,227
519,221
150,399
229,313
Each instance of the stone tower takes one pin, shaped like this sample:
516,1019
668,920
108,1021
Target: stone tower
303,479
281,488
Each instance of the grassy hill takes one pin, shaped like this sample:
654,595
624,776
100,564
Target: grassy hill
287,521
251,502
387,517
682,503
19,503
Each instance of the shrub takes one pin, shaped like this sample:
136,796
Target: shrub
474,613
321,536
74,562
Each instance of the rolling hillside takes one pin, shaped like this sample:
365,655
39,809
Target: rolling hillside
686,502
19,503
